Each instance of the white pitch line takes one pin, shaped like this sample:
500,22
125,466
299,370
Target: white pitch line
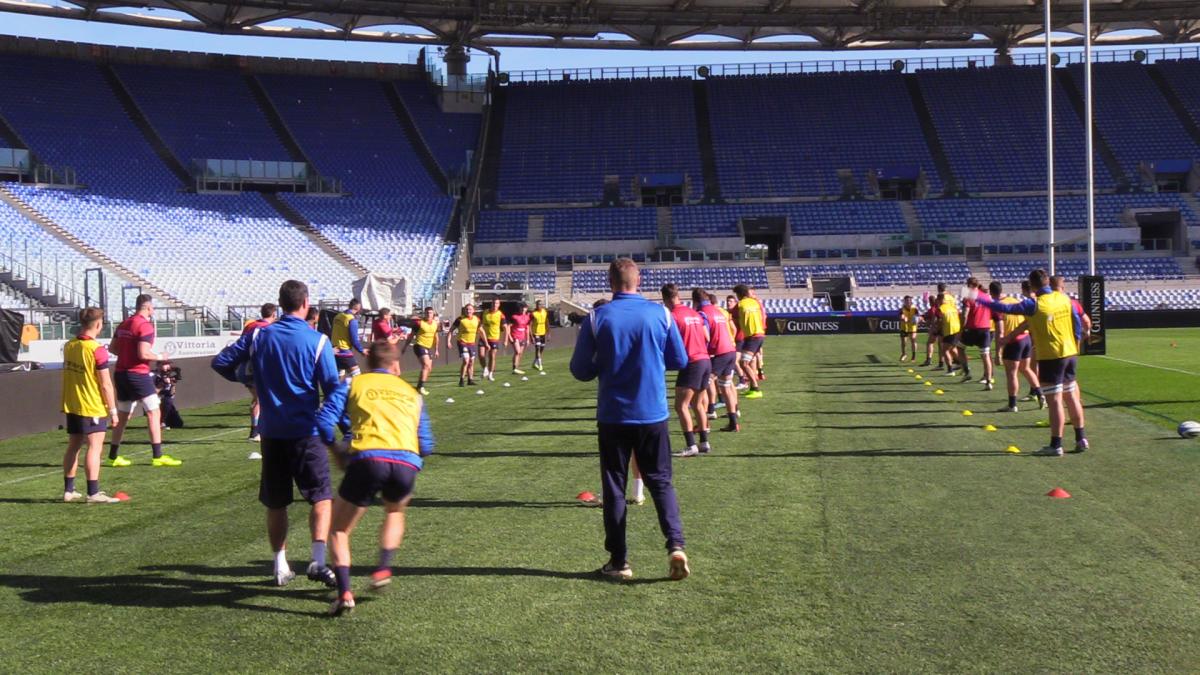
1148,365
22,479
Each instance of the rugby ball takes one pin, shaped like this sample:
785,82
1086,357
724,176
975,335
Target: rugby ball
1189,429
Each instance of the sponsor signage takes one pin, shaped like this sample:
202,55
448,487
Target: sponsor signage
50,351
1091,296
818,325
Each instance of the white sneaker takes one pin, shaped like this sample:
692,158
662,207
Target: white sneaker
611,571
1048,452
282,577
678,565
101,498
491,377
989,386
742,386
690,452
71,496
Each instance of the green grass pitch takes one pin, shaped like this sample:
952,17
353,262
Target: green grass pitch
859,523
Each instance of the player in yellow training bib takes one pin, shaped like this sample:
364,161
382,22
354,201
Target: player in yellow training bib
495,331
465,331
424,341
89,402
541,332
908,329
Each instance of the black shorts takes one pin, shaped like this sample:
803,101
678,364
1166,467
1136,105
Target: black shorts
133,386
695,374
468,350
493,344
952,340
77,424
303,461
1017,350
423,352
752,345
935,332
977,337
1056,376
366,478
724,365
346,363
539,340
908,333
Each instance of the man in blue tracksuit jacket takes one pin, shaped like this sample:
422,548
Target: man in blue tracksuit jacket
629,344
291,364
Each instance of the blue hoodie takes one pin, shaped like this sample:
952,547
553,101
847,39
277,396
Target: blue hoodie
629,344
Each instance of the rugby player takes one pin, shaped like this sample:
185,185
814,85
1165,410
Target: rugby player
266,318
751,321
977,332
495,330
391,436
382,329
628,345
312,317
1055,325
933,341
739,339
951,333
344,336
132,345
89,404
908,329
426,345
467,330
541,333
518,334
1016,350
293,366
723,353
691,385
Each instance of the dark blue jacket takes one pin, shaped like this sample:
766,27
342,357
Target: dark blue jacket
629,344
291,361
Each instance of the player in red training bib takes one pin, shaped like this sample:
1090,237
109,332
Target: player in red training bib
133,344
518,334
691,385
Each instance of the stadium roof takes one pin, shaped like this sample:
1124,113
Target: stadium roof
658,24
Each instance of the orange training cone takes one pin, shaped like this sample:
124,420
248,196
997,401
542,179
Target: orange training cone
1058,493
586,496
121,496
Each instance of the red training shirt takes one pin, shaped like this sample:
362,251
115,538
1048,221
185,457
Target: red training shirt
694,331
720,342
131,333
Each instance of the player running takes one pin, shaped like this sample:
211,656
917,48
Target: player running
89,404
541,333
495,331
391,436
1055,325
691,385
908,329
1016,350
293,366
518,334
933,341
344,336
977,332
751,321
425,344
132,345
467,331
723,354
245,376
951,333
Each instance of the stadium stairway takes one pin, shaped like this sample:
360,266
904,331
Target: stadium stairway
916,231
415,138
940,161
301,223
37,296
138,116
278,125
708,158
86,249
1106,153
10,137
493,130
1174,103
775,280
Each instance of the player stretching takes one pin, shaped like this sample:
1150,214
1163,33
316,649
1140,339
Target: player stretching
495,331
750,320
426,345
131,344
1054,323
541,333
293,365
1016,351
722,353
392,434
518,334
951,334
89,404
466,329
691,385
344,336
908,329
245,376
978,332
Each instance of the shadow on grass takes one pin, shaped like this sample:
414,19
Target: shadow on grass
30,465
866,454
517,453
156,591
259,567
565,432
427,503
545,419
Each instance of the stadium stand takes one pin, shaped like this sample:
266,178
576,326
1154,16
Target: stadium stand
1141,300
783,136
569,224
902,274
1029,213
534,280
1113,269
561,139
394,218
795,305
596,281
1184,79
992,125
133,208
450,135
805,218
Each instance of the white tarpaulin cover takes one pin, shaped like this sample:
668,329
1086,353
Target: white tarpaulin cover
377,291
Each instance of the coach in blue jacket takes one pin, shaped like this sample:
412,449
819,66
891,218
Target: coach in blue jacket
629,344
